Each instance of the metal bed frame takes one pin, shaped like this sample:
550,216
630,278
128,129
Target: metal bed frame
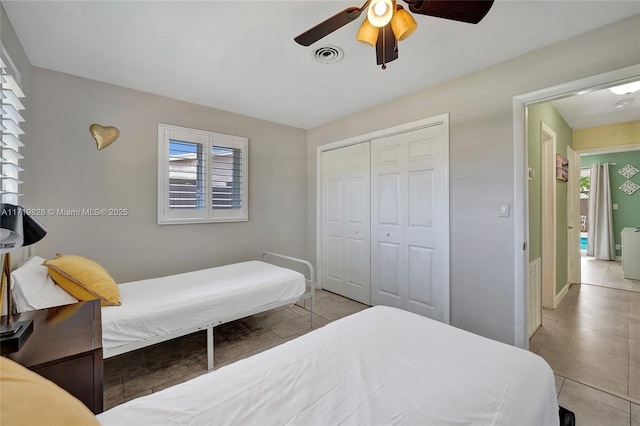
310,283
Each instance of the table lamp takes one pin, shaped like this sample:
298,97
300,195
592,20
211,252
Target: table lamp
17,229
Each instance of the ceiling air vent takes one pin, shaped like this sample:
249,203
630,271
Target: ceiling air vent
327,54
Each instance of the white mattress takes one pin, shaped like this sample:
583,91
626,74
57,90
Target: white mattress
379,366
159,306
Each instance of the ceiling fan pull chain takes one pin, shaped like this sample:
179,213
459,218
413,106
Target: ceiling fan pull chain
384,50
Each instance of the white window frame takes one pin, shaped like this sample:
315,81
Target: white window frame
168,216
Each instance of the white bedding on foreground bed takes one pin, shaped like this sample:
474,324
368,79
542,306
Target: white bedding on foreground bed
160,306
379,366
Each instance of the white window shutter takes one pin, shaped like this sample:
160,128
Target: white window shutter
11,130
202,176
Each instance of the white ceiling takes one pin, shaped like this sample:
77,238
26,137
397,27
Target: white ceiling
598,108
240,56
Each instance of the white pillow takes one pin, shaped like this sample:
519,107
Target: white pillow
33,288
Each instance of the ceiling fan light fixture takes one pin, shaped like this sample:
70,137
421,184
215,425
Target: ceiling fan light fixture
367,33
380,12
402,23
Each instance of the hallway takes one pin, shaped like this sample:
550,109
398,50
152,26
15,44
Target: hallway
592,343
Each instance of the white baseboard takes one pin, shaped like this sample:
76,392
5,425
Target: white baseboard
561,295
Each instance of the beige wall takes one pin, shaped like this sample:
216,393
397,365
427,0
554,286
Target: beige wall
66,171
609,136
482,162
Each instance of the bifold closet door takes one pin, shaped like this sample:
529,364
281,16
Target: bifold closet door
410,222
346,226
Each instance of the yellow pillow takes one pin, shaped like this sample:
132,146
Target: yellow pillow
30,399
83,278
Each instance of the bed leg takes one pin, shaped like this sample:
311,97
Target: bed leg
210,347
313,305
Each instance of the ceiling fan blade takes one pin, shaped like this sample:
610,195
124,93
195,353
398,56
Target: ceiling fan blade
328,26
470,12
386,46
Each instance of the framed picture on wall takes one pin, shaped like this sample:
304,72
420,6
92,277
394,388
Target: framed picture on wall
562,168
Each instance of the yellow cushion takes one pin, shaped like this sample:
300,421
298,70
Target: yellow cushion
83,278
30,399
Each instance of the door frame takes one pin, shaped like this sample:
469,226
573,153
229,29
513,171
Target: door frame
521,190
441,119
573,219
548,215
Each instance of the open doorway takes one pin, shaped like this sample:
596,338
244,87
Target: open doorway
575,317
585,186
620,162
523,213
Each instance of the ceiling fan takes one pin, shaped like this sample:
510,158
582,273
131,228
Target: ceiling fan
387,22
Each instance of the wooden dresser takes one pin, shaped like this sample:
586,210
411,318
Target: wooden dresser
66,348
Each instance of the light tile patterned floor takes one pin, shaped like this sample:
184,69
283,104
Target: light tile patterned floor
606,273
583,341
166,364
592,342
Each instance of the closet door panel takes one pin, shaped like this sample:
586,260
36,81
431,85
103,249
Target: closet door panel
334,196
332,210
357,265
357,235
357,189
334,256
346,226
420,202
387,219
388,272
411,211
388,211
420,280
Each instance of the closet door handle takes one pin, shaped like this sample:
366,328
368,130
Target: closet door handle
388,234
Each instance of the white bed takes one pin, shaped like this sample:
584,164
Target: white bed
164,308
160,309
379,366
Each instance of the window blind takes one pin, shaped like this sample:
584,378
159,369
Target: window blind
11,130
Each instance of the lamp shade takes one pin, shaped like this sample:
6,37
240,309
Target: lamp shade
380,12
17,229
402,23
367,33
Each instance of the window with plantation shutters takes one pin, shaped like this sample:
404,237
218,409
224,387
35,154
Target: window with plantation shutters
11,130
202,176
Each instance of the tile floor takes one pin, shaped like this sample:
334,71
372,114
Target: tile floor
166,364
592,343
584,340
606,273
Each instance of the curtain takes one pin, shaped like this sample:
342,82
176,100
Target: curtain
600,239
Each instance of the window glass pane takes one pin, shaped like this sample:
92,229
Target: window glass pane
186,175
226,178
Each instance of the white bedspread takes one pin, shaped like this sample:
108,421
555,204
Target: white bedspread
379,366
159,306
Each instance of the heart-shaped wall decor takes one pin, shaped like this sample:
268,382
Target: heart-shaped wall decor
104,136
